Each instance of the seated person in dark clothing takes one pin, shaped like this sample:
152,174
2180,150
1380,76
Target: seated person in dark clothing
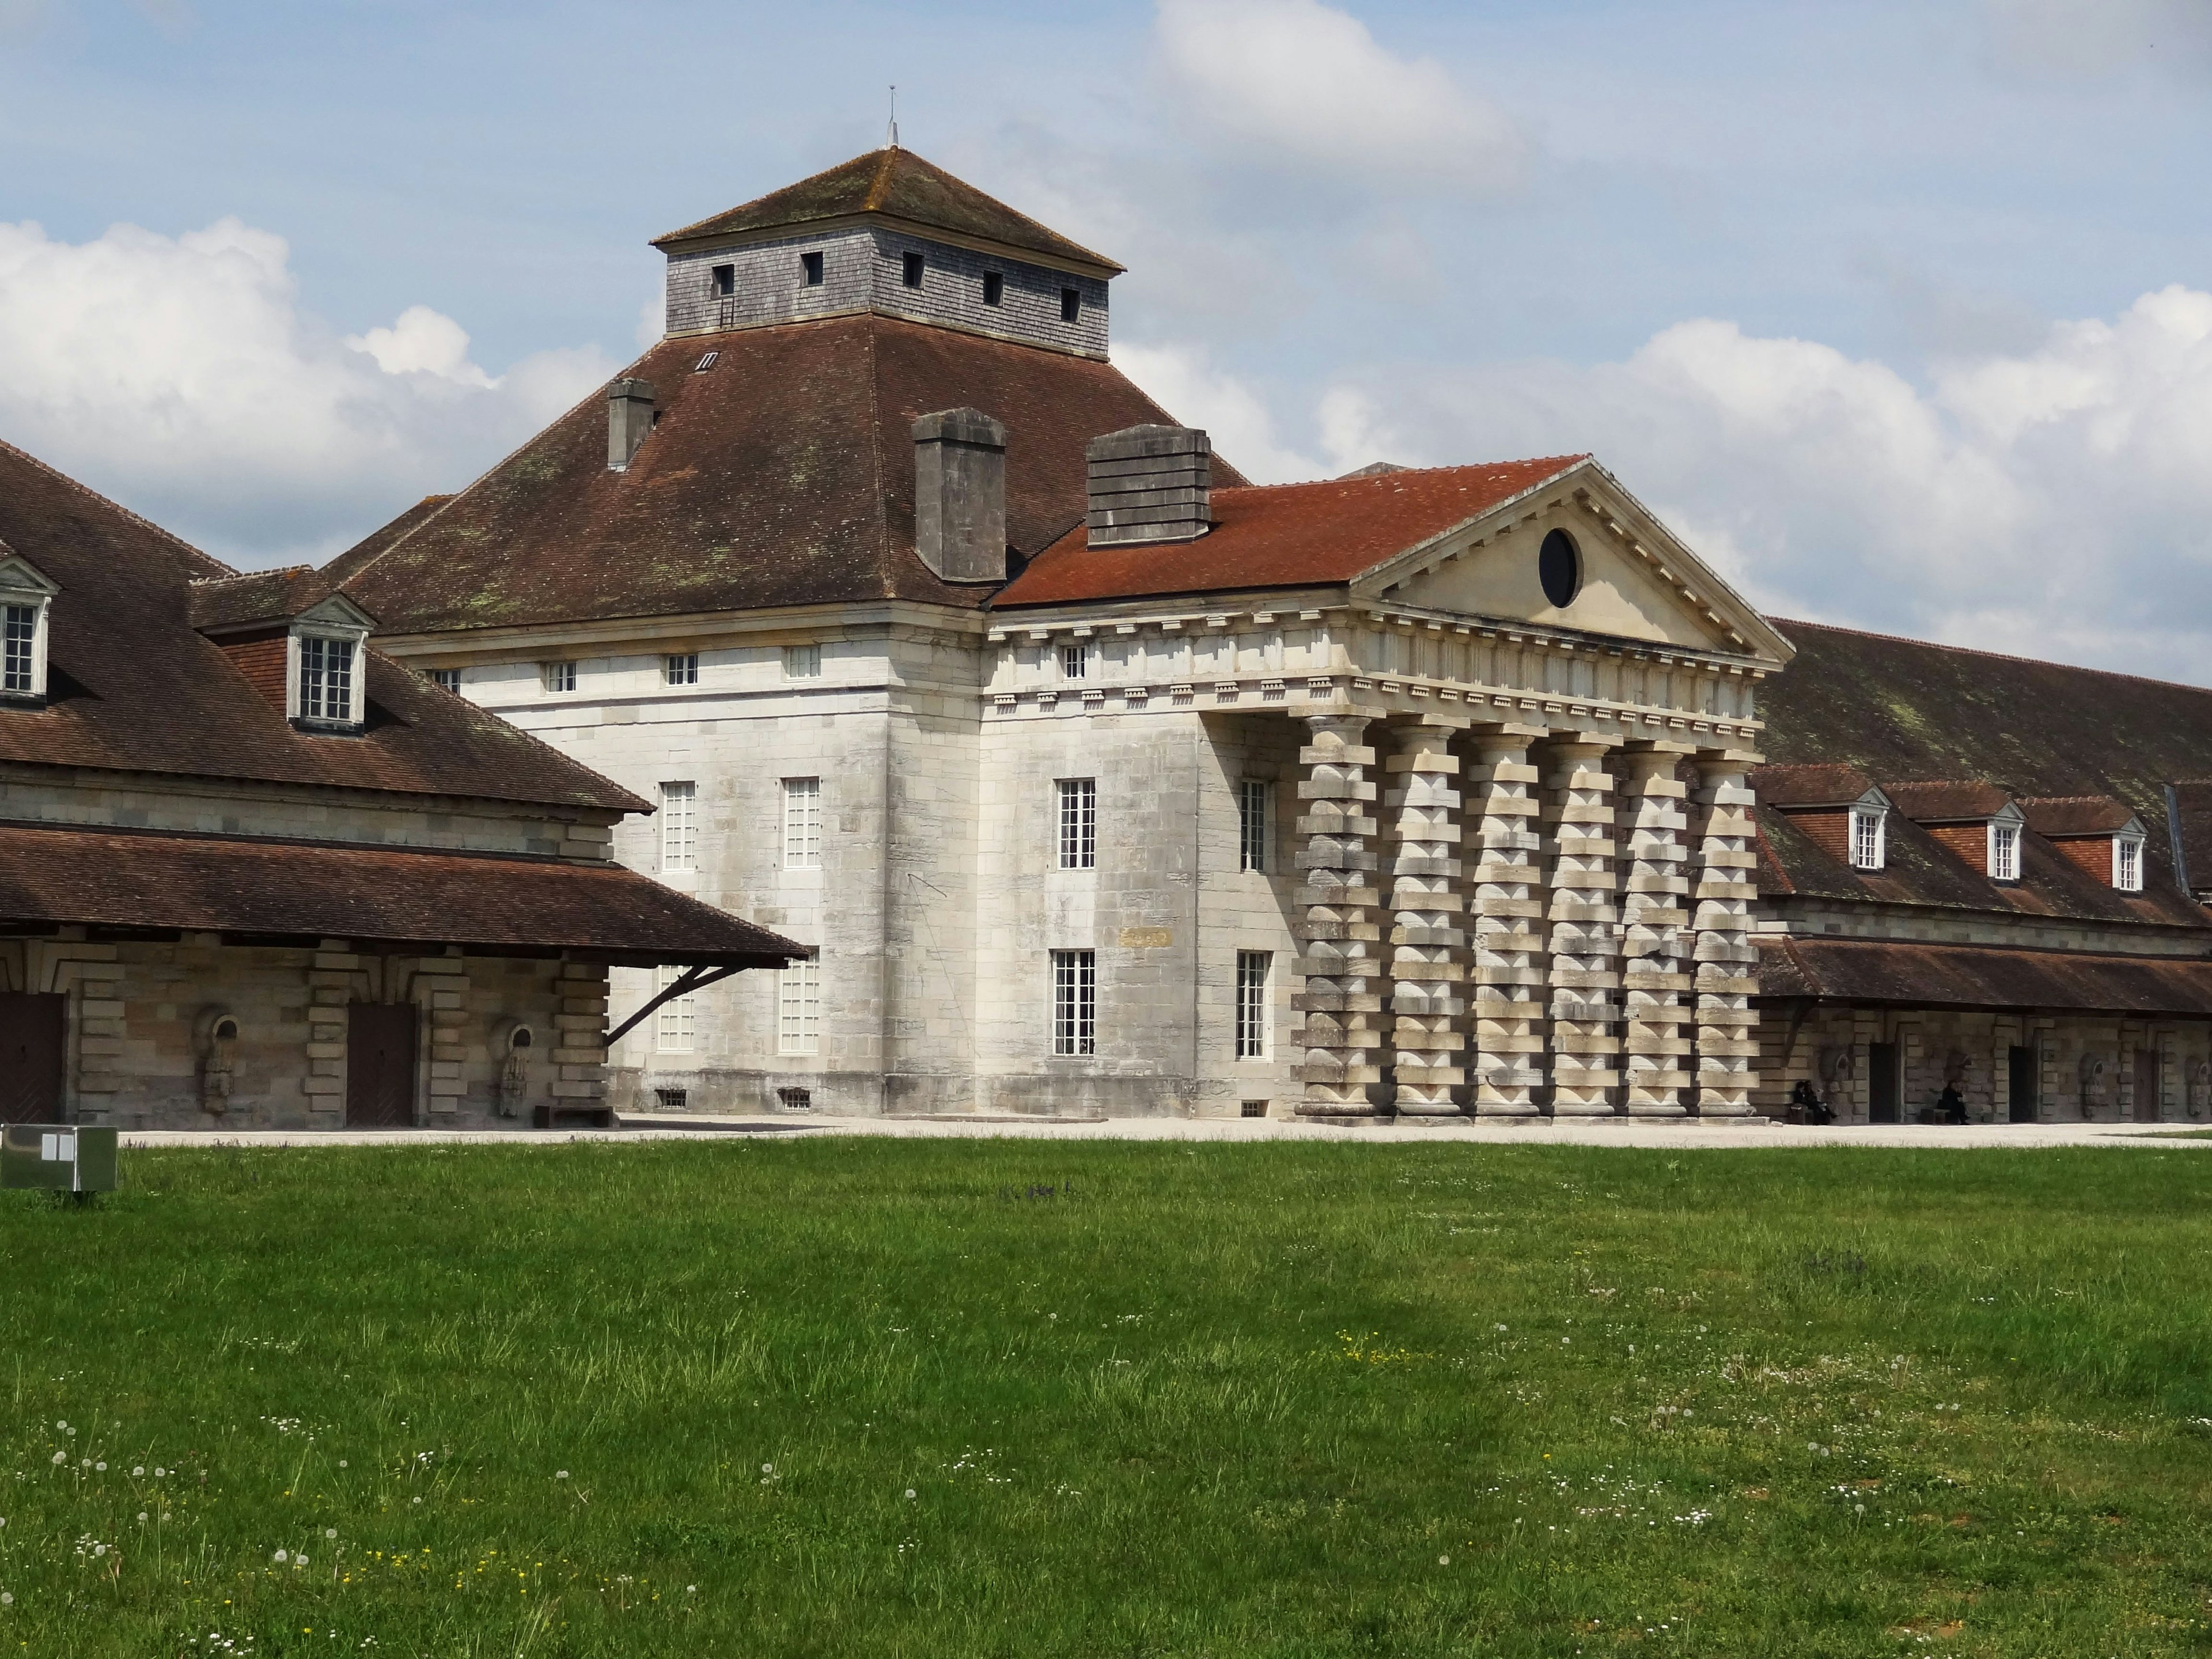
1950,1106
1805,1105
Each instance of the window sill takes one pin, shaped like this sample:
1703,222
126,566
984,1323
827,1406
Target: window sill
327,728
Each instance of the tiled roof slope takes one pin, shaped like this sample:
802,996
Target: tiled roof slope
339,570
135,688
1283,535
783,476
899,184
150,879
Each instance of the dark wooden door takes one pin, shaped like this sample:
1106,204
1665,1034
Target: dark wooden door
31,1058
1884,1085
2146,1085
381,1066
2020,1080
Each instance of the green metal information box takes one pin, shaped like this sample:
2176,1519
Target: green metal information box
62,1158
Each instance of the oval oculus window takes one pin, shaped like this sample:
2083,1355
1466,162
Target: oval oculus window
1559,568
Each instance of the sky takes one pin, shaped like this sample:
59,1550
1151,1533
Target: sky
1900,314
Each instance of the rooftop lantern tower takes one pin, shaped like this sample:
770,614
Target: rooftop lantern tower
888,233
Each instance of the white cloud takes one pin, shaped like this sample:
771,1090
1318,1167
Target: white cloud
182,376
1182,380
2050,501
1307,83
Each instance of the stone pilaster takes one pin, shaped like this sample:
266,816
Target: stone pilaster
1656,933
444,992
1427,946
1583,941
331,975
1504,909
1339,939
579,1055
1728,1038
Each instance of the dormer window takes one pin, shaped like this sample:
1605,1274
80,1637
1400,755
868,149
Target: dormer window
25,596
1869,837
327,680
2127,863
2004,851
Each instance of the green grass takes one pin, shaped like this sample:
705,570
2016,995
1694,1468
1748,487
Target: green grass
885,1398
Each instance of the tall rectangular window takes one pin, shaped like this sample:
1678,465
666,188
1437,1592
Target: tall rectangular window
2004,852
679,828
995,287
1071,304
725,281
1079,824
1252,1017
1252,824
676,1024
326,679
1075,1002
911,275
19,633
798,1009
802,823
2127,864
1867,847
802,662
682,670
558,676
1075,661
810,270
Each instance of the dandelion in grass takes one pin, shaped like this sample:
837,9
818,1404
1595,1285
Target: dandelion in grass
138,1471
100,1468
279,1557
909,1491
142,1517
560,1474
330,1532
60,1458
6,1598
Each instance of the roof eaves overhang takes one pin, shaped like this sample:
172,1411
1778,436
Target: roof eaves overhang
1096,265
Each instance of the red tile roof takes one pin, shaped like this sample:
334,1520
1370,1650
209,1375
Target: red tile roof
162,882
133,687
1809,786
2075,815
1967,976
782,475
1946,801
1298,535
895,184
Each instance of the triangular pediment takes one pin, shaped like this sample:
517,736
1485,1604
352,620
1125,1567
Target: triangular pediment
338,611
19,575
1633,580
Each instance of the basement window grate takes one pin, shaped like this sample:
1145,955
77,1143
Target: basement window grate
795,1100
671,1100
1255,1108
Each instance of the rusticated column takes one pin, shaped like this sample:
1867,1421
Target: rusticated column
1655,925
1341,941
1728,1037
1582,944
1427,947
1504,911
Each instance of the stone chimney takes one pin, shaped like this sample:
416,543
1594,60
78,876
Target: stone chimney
1150,483
629,417
960,494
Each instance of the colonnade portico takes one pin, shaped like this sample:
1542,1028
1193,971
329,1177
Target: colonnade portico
1541,952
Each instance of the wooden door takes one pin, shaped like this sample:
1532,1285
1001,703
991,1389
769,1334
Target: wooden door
381,1066
1884,1086
2147,1090
31,1062
2020,1083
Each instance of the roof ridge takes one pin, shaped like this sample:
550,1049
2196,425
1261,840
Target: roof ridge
879,186
115,506
1993,656
1415,472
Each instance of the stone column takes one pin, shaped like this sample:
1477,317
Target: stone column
1507,1037
1427,947
443,988
580,1039
1583,942
1656,933
332,971
1728,1038
1340,940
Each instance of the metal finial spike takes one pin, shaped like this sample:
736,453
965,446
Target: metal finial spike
892,133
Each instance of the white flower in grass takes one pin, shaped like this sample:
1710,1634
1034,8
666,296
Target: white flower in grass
158,1473
101,1468
138,1471
7,1599
1443,1561
280,1558
909,1491
330,1532
560,1474
60,1458
142,1517
768,1468
299,1561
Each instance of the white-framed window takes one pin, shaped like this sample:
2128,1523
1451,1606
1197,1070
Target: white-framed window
802,662
1253,1016
1075,660
1075,1002
329,679
676,1021
2127,864
798,1009
2004,851
447,680
682,669
26,596
1079,824
802,823
679,827
1869,838
1253,795
557,675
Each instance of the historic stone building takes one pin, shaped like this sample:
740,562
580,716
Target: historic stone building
253,874
1106,782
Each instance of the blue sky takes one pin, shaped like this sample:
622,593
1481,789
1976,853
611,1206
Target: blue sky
1899,312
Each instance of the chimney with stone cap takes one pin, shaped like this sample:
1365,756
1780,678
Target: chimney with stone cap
1150,483
629,417
960,495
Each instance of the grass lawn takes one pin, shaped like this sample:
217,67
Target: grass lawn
887,1398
